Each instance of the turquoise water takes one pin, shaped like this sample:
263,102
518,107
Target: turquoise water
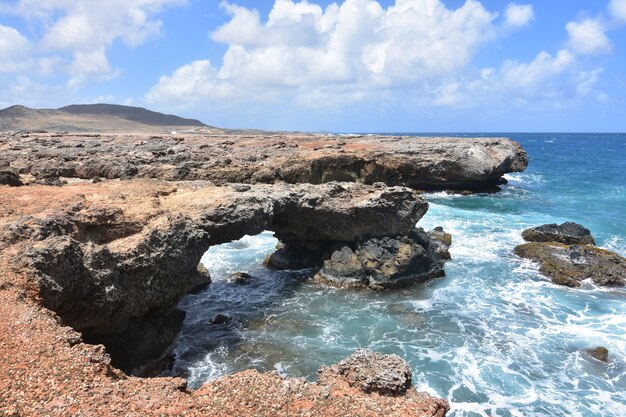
493,337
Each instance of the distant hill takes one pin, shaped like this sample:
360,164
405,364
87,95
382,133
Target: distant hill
96,118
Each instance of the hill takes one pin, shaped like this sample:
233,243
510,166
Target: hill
109,118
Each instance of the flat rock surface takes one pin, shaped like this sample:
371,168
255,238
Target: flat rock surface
420,163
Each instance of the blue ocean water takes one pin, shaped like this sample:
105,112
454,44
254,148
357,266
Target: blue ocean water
494,337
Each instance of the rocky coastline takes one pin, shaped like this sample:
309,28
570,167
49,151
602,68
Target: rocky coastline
104,234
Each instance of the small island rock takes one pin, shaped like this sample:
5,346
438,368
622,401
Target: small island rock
568,233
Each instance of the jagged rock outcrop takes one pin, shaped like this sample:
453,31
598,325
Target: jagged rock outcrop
388,262
420,163
567,233
570,264
370,372
114,258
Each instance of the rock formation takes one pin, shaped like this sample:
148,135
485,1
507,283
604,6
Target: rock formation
109,230
420,163
567,255
570,264
388,262
567,233
113,259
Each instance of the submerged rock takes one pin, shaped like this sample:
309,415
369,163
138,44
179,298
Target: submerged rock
388,262
600,353
370,372
570,264
220,319
567,233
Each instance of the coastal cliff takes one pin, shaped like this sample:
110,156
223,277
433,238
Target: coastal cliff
420,163
111,258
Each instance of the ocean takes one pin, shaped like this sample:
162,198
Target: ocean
494,337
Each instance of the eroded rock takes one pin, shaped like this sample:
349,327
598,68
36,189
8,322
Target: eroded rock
570,264
10,177
567,233
388,262
370,372
420,163
109,256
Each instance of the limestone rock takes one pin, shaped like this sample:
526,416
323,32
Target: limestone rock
419,163
570,264
371,372
567,233
388,262
109,256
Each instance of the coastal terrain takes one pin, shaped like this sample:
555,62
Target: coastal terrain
102,235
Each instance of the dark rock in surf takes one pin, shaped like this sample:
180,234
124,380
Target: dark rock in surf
220,319
599,353
240,277
568,233
388,262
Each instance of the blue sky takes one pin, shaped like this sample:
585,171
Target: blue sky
354,65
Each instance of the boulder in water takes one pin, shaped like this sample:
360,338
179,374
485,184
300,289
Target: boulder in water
600,353
570,264
568,233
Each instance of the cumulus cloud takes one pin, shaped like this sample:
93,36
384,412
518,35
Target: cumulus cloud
617,8
519,15
538,81
85,29
14,48
588,37
356,45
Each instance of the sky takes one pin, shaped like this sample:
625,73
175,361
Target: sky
318,65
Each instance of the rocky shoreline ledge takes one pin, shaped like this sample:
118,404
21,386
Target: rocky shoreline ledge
471,164
111,258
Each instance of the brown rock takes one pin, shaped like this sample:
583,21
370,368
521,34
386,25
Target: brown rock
570,264
600,353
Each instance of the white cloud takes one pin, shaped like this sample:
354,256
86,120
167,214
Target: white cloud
519,15
517,83
14,49
588,37
85,29
358,45
618,9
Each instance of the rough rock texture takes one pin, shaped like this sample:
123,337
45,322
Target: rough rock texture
388,262
567,233
10,177
371,372
420,163
47,371
570,264
114,258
